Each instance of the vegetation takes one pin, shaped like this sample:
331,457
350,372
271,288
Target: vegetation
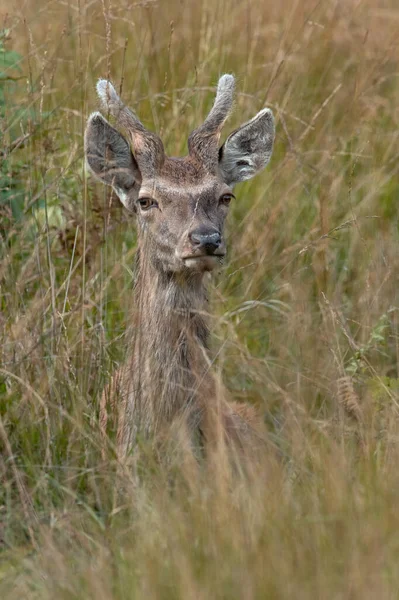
306,309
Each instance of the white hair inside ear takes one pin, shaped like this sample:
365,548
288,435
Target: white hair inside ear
248,149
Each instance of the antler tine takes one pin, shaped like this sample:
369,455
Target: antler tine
111,101
204,140
148,146
222,105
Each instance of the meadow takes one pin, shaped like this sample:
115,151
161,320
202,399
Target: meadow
305,311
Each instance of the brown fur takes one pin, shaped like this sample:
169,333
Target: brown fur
181,205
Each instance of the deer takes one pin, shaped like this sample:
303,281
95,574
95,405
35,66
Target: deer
181,205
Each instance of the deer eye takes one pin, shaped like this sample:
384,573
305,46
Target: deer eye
146,203
226,199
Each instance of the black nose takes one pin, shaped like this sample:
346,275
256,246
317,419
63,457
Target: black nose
207,239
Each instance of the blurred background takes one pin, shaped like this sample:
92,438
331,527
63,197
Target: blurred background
304,313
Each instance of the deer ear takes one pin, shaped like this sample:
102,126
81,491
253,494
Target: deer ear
110,159
248,149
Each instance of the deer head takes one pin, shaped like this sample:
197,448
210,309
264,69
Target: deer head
181,203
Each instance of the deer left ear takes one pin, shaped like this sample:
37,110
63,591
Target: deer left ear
248,149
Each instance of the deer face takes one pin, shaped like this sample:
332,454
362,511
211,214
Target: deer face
181,215
181,203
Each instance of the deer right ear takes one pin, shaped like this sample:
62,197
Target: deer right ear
110,159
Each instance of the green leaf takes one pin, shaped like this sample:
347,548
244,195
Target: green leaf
9,59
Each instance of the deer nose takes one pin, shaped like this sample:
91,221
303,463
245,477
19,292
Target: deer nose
207,239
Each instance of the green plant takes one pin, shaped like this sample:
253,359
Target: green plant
376,340
11,191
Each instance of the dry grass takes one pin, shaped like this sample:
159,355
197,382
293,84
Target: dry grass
305,312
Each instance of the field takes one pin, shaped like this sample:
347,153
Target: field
305,311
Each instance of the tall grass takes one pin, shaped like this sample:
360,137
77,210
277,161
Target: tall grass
305,312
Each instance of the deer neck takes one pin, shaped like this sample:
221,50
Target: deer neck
171,308
171,340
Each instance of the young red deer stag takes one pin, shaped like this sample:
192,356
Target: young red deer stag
181,205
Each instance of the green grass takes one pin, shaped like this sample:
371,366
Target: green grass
305,314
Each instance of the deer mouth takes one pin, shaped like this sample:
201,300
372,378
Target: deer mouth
202,262
194,256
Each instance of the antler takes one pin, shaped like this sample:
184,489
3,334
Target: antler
203,142
148,147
